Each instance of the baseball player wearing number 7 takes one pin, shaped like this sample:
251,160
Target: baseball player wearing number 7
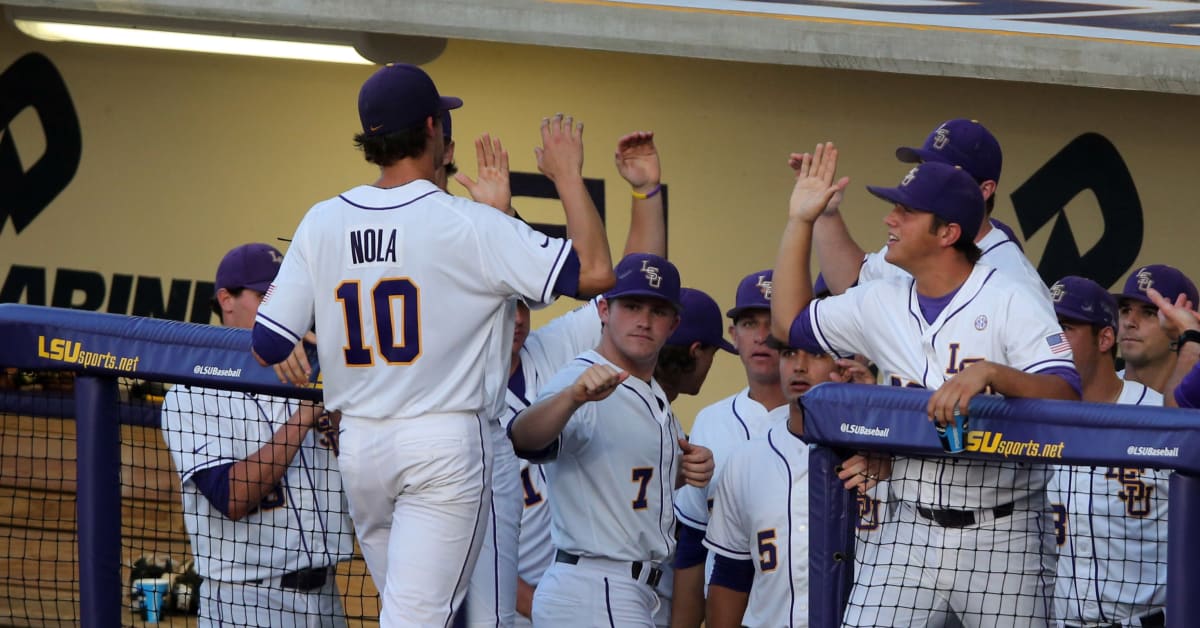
1110,522
409,289
617,453
962,328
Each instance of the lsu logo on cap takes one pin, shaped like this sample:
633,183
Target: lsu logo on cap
1057,292
764,286
275,256
908,178
941,137
1145,279
651,273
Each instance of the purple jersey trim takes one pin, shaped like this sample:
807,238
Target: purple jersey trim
213,483
567,282
350,202
1007,230
516,384
690,550
546,288
1187,393
269,345
931,307
1069,374
733,574
802,335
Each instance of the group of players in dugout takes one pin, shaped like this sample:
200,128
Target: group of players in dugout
496,475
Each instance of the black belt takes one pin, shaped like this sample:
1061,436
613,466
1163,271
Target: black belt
961,518
635,569
301,579
1154,619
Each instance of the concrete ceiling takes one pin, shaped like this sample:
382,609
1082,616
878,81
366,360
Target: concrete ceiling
987,39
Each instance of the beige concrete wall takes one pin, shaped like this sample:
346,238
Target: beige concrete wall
186,155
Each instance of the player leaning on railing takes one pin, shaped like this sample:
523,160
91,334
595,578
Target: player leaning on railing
956,327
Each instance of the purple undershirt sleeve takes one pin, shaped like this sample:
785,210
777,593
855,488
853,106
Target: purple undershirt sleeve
734,574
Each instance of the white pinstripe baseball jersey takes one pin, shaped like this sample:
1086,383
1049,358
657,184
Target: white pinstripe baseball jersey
301,524
1111,529
760,513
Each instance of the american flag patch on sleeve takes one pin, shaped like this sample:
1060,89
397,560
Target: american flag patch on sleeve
267,294
1058,343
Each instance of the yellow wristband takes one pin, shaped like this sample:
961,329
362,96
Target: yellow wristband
641,197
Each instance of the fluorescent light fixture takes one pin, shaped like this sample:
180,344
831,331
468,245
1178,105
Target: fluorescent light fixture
193,42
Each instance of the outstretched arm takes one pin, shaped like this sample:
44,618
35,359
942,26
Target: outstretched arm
638,163
814,188
251,479
561,159
536,427
838,255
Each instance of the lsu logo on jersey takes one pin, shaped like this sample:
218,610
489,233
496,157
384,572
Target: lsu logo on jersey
868,512
1133,492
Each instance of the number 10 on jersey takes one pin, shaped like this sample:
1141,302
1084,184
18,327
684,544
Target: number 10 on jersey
396,344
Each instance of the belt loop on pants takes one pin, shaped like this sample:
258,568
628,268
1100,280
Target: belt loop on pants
642,571
966,518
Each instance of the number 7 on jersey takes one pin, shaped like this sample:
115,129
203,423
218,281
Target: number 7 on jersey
396,344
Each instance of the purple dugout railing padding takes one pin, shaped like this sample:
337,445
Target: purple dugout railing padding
100,348
852,417
840,417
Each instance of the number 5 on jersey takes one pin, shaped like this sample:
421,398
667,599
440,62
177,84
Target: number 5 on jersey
397,344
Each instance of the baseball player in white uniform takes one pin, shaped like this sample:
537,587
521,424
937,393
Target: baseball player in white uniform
722,427
262,497
958,142
759,525
957,327
1144,343
1110,522
381,268
616,449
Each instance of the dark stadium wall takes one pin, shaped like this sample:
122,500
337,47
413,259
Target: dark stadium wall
126,174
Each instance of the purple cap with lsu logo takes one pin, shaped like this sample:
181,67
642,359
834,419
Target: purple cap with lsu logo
959,142
1170,282
251,266
646,275
1081,299
753,293
398,97
945,191
700,321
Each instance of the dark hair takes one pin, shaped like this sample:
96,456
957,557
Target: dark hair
451,169
674,361
385,150
963,244
215,305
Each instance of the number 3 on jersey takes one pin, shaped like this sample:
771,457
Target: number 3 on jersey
397,344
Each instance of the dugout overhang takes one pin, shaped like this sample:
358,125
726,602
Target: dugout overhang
1139,45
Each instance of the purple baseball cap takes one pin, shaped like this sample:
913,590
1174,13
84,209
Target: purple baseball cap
753,293
959,142
646,275
251,266
1170,282
945,191
700,321
1081,299
398,97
